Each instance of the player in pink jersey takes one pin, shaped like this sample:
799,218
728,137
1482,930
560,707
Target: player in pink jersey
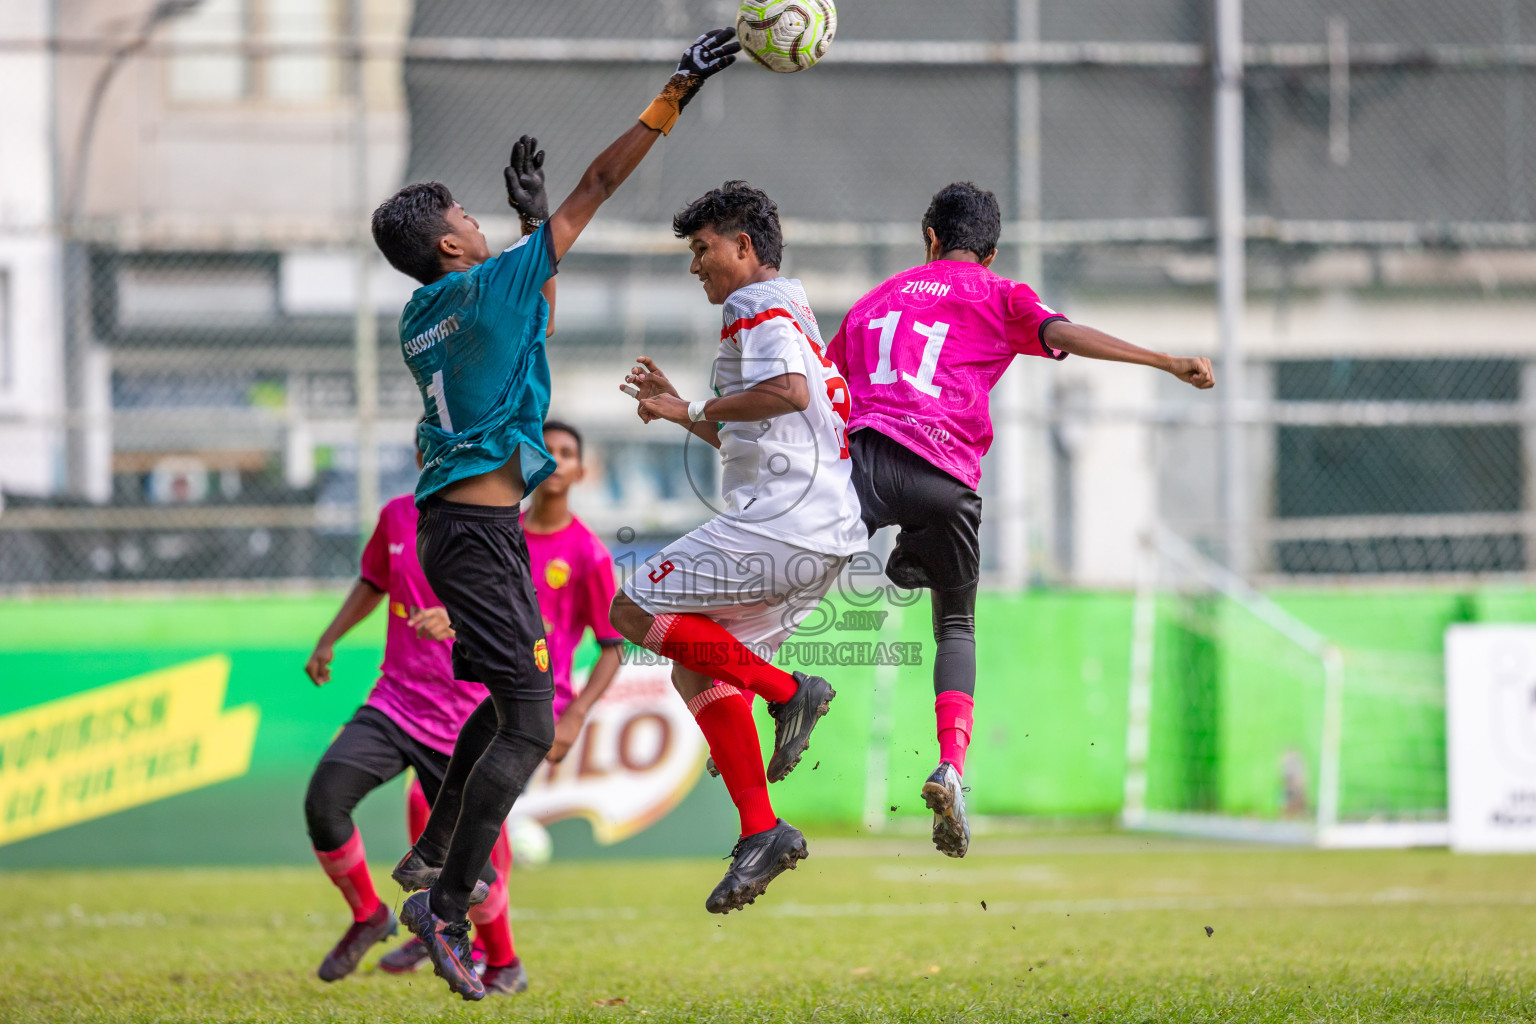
573,575
410,720
920,353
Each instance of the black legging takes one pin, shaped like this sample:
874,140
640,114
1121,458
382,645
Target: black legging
498,750
954,632
334,792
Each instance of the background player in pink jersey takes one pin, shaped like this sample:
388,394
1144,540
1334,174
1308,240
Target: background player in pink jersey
410,720
921,352
573,575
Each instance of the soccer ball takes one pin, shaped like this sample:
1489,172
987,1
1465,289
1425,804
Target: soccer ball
786,35
531,844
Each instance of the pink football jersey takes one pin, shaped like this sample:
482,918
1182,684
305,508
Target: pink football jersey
922,351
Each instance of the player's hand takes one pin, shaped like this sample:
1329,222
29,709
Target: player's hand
1194,370
648,378
567,731
524,174
710,54
318,667
664,407
431,624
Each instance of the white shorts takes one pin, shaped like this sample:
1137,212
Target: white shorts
758,588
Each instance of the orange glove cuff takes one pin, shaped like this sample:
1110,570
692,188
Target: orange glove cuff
661,115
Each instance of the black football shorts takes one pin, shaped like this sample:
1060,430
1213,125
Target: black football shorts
939,546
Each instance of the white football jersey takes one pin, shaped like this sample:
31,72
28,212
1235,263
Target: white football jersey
788,477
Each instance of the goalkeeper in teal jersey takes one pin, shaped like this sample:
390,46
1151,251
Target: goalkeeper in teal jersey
473,338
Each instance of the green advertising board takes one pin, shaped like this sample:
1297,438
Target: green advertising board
183,729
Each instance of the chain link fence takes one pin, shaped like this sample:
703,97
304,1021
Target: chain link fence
182,331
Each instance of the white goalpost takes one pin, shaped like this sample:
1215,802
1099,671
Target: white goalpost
1247,723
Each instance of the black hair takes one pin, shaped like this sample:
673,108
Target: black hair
736,206
964,216
567,428
408,225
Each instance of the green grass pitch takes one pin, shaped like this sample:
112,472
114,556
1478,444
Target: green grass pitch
1075,929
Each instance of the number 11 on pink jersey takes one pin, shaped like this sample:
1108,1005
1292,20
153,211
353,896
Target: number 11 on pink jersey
885,373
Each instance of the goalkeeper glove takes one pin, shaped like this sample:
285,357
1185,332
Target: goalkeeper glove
710,54
524,174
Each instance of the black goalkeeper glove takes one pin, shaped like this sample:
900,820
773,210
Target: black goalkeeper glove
710,54
524,174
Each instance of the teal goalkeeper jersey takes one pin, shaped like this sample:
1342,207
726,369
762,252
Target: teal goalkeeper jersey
474,341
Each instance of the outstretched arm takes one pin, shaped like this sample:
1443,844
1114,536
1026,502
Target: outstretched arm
659,400
524,176
363,599
1090,343
710,53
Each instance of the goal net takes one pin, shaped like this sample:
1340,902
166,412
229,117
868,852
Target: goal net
1247,723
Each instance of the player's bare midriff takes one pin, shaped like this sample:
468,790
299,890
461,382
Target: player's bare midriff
501,487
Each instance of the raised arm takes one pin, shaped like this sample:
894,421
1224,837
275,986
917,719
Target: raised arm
524,175
1090,343
711,53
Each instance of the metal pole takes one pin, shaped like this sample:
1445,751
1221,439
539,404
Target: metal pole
1138,723
1330,743
882,720
1013,442
87,395
1231,270
365,320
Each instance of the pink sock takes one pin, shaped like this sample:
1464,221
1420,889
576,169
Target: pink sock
955,713
490,918
348,868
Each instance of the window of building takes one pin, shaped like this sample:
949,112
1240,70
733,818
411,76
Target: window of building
204,72
1437,487
306,74
301,67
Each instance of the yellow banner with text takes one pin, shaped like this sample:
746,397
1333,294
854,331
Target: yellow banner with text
121,745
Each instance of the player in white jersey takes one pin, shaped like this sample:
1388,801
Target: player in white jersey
720,601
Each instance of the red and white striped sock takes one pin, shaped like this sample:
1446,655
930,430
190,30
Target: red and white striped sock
703,645
347,867
726,721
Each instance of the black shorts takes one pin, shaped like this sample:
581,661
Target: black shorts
476,561
940,518
373,743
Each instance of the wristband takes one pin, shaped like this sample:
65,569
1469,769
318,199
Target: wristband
662,114
696,410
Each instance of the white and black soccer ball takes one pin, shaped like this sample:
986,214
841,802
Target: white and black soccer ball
786,35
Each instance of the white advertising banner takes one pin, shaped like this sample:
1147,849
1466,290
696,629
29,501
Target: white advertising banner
1490,707
638,756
